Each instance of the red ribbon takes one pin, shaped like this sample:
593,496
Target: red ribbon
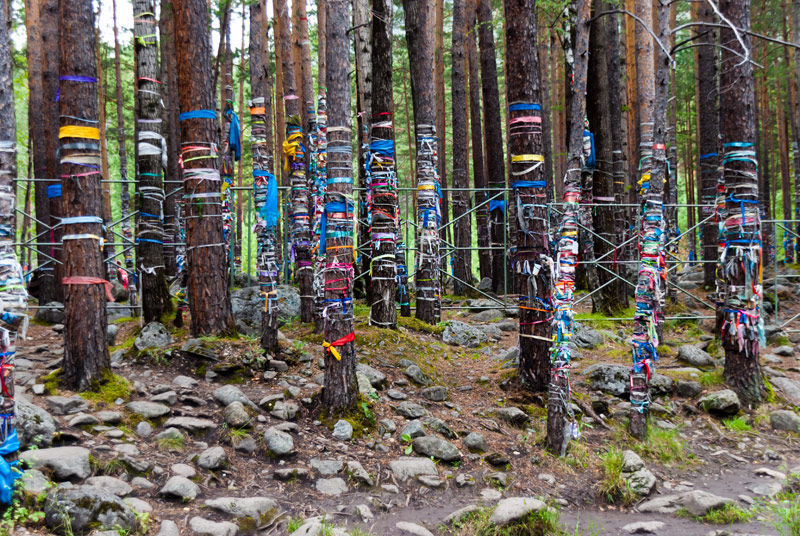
86,280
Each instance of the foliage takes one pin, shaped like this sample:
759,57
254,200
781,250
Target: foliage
17,514
661,444
613,486
415,324
542,523
108,389
712,378
727,515
737,424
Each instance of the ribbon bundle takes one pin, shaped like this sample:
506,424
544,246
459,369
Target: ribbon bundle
317,202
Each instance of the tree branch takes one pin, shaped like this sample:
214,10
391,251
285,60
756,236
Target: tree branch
640,21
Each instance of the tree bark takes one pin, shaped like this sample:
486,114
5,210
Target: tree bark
42,40
419,35
462,225
384,209
476,132
172,180
441,121
558,406
86,360
128,245
209,300
226,157
652,167
265,185
294,154
340,391
108,248
741,259
317,202
796,121
151,152
530,261
13,296
363,76
495,162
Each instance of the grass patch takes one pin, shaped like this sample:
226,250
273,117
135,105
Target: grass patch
51,382
415,324
360,417
542,523
737,424
666,446
727,515
613,486
108,389
175,444
712,378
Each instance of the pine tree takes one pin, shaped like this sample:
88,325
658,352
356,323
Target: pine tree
209,300
172,179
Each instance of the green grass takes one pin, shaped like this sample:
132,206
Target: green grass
542,523
612,485
666,446
415,324
711,378
171,443
294,524
737,424
108,389
600,321
727,515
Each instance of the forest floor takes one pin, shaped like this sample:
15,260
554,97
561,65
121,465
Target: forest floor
458,396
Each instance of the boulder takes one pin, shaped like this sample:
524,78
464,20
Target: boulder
65,405
285,411
331,486
790,389
406,527
66,463
586,338
180,487
230,393
691,354
153,335
513,416
259,509
51,313
461,334
784,419
77,510
432,446
720,403
343,430
148,410
212,458
236,416
415,374
278,443
413,428
514,509
376,378
109,483
435,393
406,467
191,424
411,410
475,442
35,426
205,527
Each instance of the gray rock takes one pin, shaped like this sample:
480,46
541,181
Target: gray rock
405,468
169,433
789,388
260,509
723,403
191,424
475,442
331,486
387,426
643,527
153,335
327,467
436,447
184,382
85,507
236,416
278,443
376,378
148,410
111,334
213,458
440,427
699,502
412,429
515,508
230,393
435,393
586,338
109,483
343,430
35,426
64,405
168,528
785,351
66,463
396,394
138,506
485,285
204,527
765,489
51,313
359,474
141,483
784,419
364,513
487,315
182,469
611,379
167,397
180,487
291,473
285,411
416,375
691,354
641,482
411,410
109,417
513,416
688,389
461,334
464,479
406,527
33,483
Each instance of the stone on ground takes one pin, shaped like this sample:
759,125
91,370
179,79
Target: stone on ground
406,527
109,483
406,468
205,527
66,463
260,509
331,486
180,487
432,446
721,403
278,443
515,508
784,419
643,527
153,335
85,507
691,354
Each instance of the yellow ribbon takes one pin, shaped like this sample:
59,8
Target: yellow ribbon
328,346
72,131
527,158
290,146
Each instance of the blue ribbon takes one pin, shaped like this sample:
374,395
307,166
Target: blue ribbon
269,212
8,474
235,135
519,106
497,204
198,114
54,190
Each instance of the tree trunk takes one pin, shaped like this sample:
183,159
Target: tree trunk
41,112
172,180
209,300
317,203
530,261
128,245
495,163
239,218
419,35
741,259
543,47
265,185
796,121
151,152
51,37
340,391
321,45
294,153
652,165
476,132
363,76
706,95
227,154
13,296
86,359
383,195
672,171
108,248
441,122
462,225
